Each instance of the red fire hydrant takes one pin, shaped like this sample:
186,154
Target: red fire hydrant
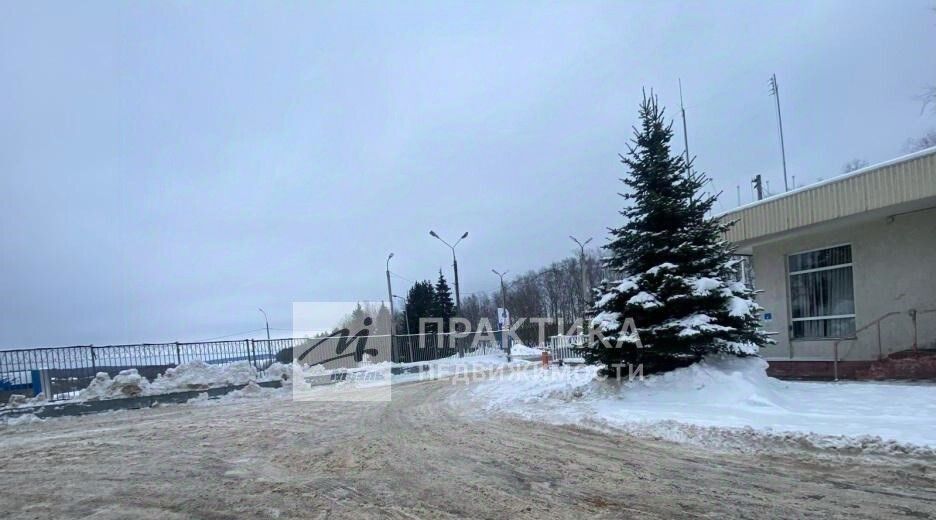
545,358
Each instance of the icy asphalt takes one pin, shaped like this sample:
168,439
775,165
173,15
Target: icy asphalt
428,453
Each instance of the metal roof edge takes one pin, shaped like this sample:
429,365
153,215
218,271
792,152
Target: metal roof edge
838,178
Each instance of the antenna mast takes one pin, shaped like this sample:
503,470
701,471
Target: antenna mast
685,133
775,92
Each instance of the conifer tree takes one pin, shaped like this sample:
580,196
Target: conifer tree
420,302
677,298
443,306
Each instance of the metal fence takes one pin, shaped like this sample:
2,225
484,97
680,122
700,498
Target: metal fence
345,352
61,372
564,347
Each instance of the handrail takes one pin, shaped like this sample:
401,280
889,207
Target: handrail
877,322
913,313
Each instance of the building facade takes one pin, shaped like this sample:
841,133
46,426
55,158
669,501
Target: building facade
846,271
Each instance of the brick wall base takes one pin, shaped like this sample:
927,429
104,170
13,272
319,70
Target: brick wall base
919,365
902,365
817,370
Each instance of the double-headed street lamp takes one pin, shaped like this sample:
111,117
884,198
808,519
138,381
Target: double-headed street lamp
506,323
454,264
584,279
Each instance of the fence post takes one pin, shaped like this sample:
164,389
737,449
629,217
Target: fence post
93,359
250,357
35,377
178,353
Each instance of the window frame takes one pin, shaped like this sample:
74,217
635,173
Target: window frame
789,278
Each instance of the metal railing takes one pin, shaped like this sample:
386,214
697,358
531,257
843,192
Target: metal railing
565,347
61,372
912,313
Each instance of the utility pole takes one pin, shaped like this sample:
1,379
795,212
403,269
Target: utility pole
758,186
584,280
506,326
265,319
454,265
393,357
775,92
685,133
739,194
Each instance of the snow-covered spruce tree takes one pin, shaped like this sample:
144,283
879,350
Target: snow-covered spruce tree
442,304
677,273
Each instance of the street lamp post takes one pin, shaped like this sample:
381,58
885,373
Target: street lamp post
454,264
584,279
405,314
506,325
265,319
390,297
390,292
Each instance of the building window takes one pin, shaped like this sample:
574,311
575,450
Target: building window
822,293
743,271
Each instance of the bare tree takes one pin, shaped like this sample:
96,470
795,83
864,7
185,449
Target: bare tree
553,291
927,141
854,164
929,99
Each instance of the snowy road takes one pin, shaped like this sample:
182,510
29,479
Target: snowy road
426,454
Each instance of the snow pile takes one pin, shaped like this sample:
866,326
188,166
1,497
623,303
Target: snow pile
250,390
455,366
519,349
127,383
727,402
16,400
278,371
196,375
20,419
199,375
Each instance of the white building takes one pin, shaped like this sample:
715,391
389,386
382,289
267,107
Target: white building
847,270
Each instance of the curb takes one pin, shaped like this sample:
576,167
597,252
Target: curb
124,403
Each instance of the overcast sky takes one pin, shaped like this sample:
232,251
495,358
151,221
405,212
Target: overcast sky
169,167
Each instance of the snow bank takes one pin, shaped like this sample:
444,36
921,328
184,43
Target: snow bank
196,375
379,374
723,399
127,383
18,420
519,349
458,366
199,375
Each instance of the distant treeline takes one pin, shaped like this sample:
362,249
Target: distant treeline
554,291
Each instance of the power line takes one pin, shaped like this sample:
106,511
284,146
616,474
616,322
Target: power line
231,335
401,277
